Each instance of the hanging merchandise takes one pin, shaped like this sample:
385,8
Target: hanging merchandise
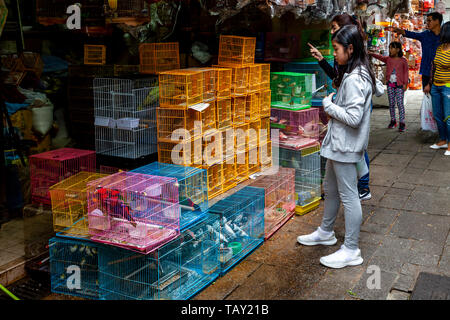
440,7
3,15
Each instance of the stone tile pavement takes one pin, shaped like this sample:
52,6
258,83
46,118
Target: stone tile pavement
405,229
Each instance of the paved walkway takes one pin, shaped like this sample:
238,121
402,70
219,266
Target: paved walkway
405,229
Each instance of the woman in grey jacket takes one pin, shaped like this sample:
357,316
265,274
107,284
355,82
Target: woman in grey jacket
343,146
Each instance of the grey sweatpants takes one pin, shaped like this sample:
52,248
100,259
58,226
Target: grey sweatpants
341,185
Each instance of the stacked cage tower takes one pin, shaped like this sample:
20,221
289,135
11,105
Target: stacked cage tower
217,118
299,129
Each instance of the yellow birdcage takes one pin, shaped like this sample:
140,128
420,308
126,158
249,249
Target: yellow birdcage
253,133
254,165
176,124
264,132
185,153
214,180
236,51
158,57
212,149
252,107
241,137
223,82
223,113
238,104
69,203
94,54
209,83
239,79
264,102
229,173
241,166
265,76
265,155
228,142
180,89
254,78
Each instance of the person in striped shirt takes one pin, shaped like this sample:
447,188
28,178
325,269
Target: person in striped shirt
440,90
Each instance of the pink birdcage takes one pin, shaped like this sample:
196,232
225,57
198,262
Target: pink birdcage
298,129
135,211
279,198
49,168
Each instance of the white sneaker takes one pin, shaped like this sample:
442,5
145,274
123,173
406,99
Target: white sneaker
318,237
342,258
436,147
447,153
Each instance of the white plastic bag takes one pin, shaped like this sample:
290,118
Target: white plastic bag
361,168
426,115
43,117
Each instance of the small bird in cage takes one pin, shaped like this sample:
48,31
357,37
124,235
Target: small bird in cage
117,206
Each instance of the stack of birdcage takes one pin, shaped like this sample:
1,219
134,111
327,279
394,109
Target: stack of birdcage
217,118
298,133
125,117
119,236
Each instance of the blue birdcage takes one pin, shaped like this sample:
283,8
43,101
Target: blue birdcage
74,267
241,225
176,271
193,189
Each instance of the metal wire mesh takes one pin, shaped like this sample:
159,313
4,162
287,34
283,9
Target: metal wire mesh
264,102
241,225
215,179
125,117
223,82
252,107
254,78
180,89
306,163
279,198
136,211
159,57
265,76
223,113
176,271
172,121
186,153
69,204
291,90
321,78
72,257
94,54
236,51
193,189
229,173
298,129
242,159
239,79
238,105
48,168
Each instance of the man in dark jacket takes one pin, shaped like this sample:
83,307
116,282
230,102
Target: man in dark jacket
430,40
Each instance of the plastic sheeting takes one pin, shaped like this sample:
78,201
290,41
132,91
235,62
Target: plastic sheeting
313,11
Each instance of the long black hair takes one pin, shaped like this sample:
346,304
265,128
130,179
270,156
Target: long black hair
350,35
445,32
397,45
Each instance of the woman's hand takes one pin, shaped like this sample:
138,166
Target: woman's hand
427,89
330,96
315,53
405,87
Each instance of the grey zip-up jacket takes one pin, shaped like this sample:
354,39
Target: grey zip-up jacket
349,126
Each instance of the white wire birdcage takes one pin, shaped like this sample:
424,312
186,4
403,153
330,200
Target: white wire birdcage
125,116
306,163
